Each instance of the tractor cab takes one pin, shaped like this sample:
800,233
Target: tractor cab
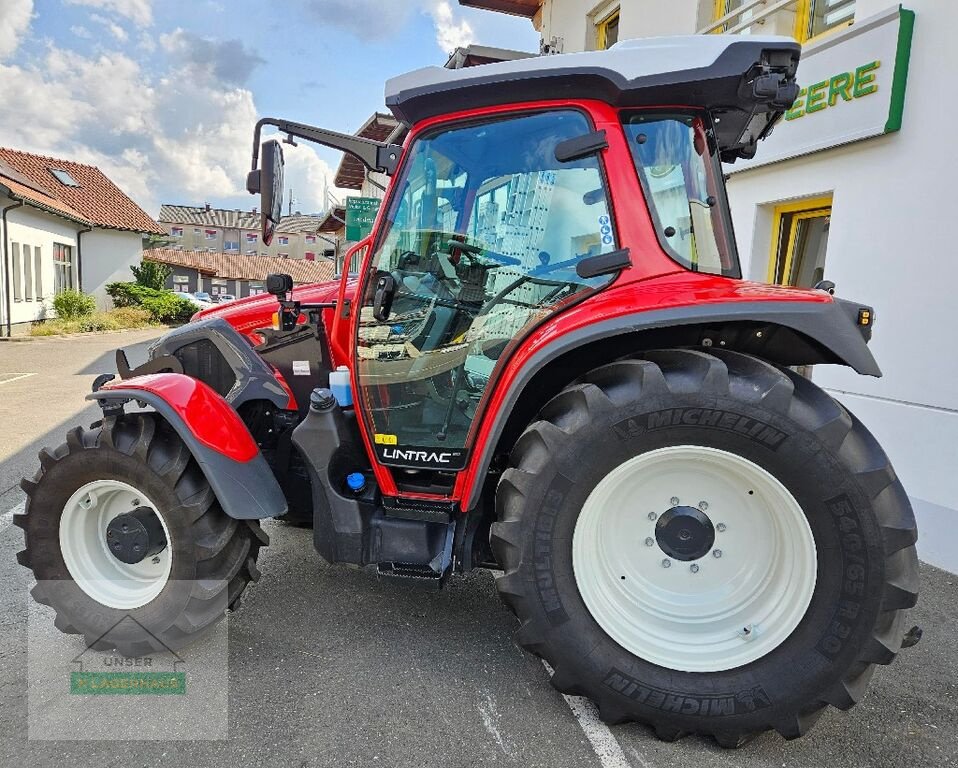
511,203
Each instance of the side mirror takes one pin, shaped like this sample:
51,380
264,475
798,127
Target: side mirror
268,182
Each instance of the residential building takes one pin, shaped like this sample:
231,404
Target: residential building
64,225
855,186
352,174
230,273
225,230
332,229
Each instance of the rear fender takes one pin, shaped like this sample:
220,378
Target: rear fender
216,436
830,324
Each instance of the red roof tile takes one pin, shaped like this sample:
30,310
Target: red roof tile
232,266
94,200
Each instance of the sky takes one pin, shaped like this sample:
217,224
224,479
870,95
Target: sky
162,95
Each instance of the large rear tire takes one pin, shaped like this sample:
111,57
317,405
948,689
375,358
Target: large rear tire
174,597
705,543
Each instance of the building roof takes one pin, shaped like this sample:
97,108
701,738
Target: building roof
231,266
526,8
334,221
234,218
351,172
78,192
227,218
475,55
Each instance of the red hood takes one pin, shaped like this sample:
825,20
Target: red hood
253,312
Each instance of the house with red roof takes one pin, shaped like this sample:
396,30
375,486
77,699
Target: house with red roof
63,225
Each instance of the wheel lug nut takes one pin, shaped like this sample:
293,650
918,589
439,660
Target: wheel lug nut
675,501
136,502
703,505
666,563
650,542
694,568
652,515
716,553
720,527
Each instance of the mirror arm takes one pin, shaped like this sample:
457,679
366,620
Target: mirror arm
375,155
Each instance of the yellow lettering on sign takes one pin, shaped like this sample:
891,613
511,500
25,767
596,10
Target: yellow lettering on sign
865,79
846,86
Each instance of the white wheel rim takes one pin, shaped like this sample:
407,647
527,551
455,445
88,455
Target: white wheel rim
712,613
83,544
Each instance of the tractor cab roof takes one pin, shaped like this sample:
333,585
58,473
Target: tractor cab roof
746,83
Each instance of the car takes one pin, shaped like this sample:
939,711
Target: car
204,296
194,299
226,297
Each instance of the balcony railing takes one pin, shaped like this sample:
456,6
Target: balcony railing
748,14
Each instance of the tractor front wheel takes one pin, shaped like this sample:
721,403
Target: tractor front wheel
707,544
127,541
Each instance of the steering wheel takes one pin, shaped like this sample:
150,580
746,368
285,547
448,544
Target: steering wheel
472,251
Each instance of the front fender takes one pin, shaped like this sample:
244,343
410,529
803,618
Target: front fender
216,436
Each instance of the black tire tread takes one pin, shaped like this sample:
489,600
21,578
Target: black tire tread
747,378
226,549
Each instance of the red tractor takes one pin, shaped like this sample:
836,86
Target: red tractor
548,364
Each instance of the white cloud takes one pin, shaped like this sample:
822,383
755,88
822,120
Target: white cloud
78,30
140,12
112,27
15,18
450,34
182,136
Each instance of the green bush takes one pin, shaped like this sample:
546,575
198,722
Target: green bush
152,275
73,304
164,306
168,308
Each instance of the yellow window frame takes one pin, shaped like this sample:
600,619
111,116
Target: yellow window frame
602,29
803,17
809,208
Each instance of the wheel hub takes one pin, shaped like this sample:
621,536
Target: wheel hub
658,585
93,520
131,537
685,533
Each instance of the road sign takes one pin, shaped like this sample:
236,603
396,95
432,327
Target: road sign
360,215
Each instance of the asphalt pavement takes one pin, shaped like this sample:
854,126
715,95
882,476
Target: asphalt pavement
328,665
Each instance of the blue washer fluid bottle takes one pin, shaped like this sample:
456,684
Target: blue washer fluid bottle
339,384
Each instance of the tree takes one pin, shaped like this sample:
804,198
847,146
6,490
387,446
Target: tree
152,275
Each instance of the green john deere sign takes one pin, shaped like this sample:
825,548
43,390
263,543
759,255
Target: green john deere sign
360,215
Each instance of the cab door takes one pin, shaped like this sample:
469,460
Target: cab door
481,240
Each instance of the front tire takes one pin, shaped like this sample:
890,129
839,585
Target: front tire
176,595
821,551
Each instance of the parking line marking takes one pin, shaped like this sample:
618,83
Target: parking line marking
604,743
7,517
14,377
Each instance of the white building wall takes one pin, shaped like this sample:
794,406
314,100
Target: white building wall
28,226
891,244
107,257
574,20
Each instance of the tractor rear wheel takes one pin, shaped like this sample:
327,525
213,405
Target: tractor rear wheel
705,543
127,541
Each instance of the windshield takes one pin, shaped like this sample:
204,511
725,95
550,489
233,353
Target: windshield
483,237
681,174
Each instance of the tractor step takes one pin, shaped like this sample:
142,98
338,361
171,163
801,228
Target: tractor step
415,575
